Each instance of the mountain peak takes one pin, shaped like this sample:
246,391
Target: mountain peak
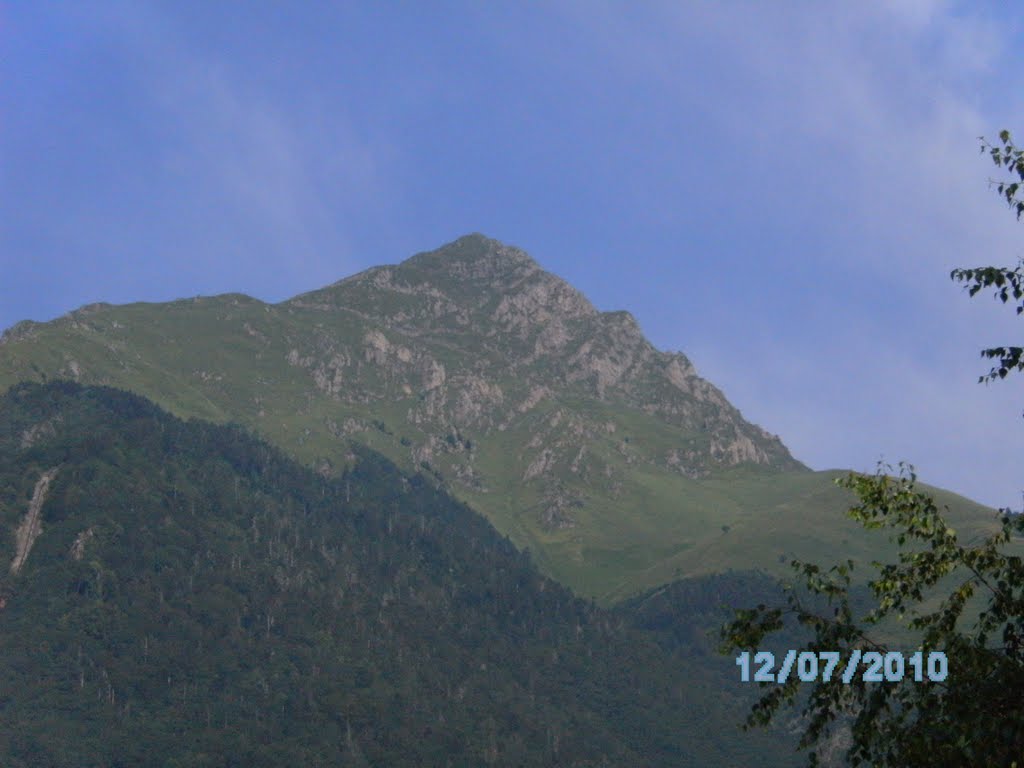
474,280
473,257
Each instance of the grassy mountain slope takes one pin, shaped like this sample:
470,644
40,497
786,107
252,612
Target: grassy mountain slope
183,590
613,462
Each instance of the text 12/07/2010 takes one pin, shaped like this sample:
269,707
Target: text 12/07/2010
810,666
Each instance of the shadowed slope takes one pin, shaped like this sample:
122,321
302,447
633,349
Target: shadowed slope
195,595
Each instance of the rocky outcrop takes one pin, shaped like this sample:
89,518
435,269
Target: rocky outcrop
535,304
31,525
77,551
41,431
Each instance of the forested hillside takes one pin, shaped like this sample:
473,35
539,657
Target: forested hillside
184,590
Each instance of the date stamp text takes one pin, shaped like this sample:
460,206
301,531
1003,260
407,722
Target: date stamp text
869,666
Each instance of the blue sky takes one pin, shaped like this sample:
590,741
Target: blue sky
779,190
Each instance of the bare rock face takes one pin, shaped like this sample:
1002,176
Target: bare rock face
78,547
537,302
40,431
433,374
737,451
376,347
539,465
476,399
556,510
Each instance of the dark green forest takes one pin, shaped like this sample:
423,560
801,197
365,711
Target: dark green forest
194,598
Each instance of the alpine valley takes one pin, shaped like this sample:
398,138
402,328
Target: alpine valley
439,513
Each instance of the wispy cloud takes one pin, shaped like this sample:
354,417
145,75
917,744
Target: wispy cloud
286,168
182,170
862,119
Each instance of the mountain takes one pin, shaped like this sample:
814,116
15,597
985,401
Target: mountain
613,463
181,593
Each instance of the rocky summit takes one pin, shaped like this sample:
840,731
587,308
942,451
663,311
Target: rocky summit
483,336
612,462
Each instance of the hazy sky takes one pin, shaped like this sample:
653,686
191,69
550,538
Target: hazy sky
778,189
